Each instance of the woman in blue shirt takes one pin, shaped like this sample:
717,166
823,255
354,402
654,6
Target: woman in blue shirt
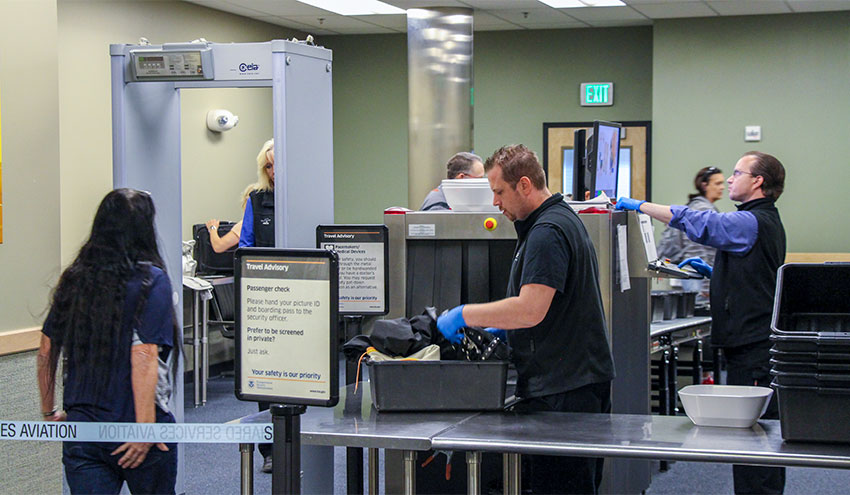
112,319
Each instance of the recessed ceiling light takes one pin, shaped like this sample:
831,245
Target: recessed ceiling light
355,7
571,4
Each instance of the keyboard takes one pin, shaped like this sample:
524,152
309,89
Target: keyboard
668,268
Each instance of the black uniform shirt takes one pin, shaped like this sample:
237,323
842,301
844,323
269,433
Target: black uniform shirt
569,348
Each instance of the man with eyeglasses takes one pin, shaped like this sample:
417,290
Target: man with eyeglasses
462,165
750,246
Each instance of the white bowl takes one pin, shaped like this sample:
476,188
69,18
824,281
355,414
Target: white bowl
737,406
469,195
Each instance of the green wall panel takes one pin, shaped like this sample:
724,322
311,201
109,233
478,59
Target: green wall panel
788,74
522,79
370,125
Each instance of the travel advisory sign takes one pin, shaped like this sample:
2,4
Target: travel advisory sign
286,325
363,266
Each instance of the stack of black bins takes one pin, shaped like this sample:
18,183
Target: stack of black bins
810,356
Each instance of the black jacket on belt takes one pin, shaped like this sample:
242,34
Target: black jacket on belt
262,202
743,286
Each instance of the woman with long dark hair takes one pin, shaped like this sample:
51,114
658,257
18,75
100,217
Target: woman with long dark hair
112,320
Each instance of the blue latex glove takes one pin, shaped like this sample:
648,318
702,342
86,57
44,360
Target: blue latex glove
498,332
699,265
450,323
625,203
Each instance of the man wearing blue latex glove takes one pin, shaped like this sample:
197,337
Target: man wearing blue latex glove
699,265
450,323
750,246
629,204
552,313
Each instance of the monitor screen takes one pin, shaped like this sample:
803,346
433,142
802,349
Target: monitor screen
567,164
607,153
624,176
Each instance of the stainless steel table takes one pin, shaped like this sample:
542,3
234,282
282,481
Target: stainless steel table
355,423
633,436
665,339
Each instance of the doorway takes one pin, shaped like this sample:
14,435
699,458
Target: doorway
635,157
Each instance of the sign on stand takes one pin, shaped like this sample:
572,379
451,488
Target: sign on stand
363,266
286,326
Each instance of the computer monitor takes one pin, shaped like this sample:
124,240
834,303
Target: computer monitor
579,163
603,159
624,176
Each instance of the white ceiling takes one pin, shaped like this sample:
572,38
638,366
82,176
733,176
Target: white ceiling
495,15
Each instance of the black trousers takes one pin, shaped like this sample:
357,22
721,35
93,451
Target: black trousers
750,365
559,474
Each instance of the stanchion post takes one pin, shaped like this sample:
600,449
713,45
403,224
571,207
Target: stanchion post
286,471
246,452
473,473
373,471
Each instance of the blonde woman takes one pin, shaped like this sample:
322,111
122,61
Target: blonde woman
265,184
258,218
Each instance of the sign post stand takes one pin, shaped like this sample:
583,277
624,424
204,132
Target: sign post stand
363,290
286,343
286,475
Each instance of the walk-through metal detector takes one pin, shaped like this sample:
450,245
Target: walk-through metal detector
146,84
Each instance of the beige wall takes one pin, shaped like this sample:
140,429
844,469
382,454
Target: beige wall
86,29
56,103
218,165
29,255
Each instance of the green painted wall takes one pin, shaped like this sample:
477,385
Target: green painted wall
526,78
370,125
789,74
522,79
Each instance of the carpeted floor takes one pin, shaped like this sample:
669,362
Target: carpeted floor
214,468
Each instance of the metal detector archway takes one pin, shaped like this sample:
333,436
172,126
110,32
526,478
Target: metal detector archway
146,84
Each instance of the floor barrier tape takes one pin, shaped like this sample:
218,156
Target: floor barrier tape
58,431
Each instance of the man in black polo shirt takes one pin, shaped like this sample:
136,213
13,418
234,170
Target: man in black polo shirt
750,246
552,312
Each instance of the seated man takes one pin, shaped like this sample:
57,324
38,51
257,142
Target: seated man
462,165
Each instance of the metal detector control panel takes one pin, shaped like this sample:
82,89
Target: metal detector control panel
159,64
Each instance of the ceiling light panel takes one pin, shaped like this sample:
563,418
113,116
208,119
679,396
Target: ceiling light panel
503,4
539,18
573,4
659,10
818,5
355,7
749,7
278,7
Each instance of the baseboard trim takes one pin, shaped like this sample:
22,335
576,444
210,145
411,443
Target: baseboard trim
23,340
816,257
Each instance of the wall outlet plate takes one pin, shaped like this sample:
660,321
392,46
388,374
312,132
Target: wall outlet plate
752,133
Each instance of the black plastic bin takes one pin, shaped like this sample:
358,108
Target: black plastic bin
817,380
438,385
810,357
812,297
810,366
664,303
812,414
685,304
830,342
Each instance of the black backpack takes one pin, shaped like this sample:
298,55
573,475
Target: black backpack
210,262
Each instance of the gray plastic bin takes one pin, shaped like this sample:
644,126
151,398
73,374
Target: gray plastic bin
438,385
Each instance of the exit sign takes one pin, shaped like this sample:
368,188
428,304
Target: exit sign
597,94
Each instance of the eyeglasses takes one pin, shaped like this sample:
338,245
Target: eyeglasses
738,173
